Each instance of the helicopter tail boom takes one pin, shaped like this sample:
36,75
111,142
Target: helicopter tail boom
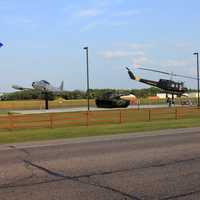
133,77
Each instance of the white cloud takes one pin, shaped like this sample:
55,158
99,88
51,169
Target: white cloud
6,6
127,13
90,26
18,21
141,60
106,13
103,22
90,13
97,11
182,66
135,46
139,46
134,53
118,23
177,63
184,46
107,3
111,55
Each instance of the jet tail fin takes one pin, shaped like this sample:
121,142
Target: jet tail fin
61,86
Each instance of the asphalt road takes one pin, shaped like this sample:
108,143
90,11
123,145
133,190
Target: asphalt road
78,109
165,165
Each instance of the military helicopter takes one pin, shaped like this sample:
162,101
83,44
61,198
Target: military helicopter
45,87
168,86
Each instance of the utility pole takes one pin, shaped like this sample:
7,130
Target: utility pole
197,55
46,98
88,84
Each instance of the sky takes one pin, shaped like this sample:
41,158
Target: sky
44,39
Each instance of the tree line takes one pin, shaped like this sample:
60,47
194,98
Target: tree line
78,94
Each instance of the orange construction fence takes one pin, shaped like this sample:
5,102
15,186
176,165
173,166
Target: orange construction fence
54,120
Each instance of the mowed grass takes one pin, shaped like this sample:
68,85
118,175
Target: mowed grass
59,120
39,104
4,112
96,130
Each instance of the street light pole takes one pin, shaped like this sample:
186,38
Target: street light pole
88,84
197,55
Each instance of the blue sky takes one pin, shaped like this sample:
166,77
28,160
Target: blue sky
44,39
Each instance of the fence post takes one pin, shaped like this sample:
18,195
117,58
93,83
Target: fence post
149,114
51,120
11,122
138,104
12,106
87,118
176,113
120,116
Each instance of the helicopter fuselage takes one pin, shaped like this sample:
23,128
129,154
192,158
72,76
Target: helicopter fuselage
168,86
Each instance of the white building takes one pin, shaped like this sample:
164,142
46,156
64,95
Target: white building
193,94
163,95
190,95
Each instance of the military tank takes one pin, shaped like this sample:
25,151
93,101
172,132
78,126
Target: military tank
111,100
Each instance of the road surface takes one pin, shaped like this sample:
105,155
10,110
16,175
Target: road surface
162,165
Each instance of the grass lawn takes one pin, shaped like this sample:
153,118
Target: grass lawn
95,130
4,112
39,104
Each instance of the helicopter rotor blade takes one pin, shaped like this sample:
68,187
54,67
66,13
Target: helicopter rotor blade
153,70
189,77
167,73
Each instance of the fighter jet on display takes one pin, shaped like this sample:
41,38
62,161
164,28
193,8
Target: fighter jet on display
43,86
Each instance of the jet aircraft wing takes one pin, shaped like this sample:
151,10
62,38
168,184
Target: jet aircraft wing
17,87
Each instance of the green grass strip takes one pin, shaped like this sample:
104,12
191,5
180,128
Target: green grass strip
76,132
